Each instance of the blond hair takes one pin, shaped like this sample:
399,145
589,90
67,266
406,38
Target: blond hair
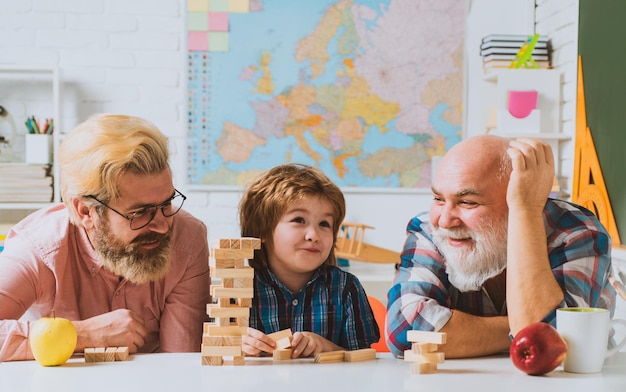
267,198
94,155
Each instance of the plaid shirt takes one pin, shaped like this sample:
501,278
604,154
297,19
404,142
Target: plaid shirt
333,304
422,298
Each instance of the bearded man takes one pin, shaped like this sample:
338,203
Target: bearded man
119,258
495,253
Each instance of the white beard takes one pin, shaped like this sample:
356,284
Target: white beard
469,267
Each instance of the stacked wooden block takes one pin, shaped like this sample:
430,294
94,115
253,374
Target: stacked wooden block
232,298
424,353
364,354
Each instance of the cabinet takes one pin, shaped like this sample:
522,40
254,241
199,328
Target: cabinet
24,91
547,122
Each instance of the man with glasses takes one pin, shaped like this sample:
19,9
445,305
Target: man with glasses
120,258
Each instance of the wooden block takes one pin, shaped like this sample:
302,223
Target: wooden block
365,354
236,273
426,337
423,367
235,243
282,354
231,311
276,336
228,282
221,264
283,343
239,361
231,254
250,243
212,361
330,357
222,243
409,355
221,340
241,283
222,321
420,348
89,354
215,351
214,330
242,321
122,354
244,302
99,353
109,354
223,292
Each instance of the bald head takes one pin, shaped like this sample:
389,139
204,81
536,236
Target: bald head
484,156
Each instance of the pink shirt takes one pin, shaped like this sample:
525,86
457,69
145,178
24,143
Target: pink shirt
49,263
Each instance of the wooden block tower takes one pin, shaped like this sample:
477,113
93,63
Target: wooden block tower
232,299
424,350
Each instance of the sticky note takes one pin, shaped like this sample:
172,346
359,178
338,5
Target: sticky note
218,5
218,21
218,42
242,6
198,40
198,5
197,21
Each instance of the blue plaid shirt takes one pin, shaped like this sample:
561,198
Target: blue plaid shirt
333,304
422,298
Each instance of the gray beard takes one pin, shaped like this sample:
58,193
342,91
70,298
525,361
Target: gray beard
469,268
130,261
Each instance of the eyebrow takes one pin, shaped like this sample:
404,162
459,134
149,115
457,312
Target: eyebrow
461,193
141,206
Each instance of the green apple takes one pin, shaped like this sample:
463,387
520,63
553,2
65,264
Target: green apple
52,340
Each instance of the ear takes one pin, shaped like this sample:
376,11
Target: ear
87,215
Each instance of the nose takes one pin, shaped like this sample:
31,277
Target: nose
311,234
160,223
445,216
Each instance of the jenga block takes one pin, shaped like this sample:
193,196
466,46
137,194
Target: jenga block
250,243
228,282
276,336
214,351
282,354
121,354
242,321
223,292
244,302
222,243
239,361
423,367
221,264
99,353
235,243
222,321
236,273
243,283
283,343
212,361
214,330
409,355
330,356
90,354
231,254
221,340
365,354
109,354
426,337
420,348
231,311
223,302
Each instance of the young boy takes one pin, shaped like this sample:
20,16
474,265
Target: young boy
296,211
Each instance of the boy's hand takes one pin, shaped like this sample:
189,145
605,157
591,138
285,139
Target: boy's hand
255,342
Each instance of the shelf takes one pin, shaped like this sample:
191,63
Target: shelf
24,206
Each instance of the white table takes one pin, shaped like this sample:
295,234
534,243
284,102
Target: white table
184,372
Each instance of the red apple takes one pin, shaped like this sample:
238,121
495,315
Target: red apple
538,349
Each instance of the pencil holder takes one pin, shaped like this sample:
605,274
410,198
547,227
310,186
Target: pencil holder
38,148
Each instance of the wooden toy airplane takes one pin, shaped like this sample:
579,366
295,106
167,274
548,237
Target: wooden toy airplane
350,246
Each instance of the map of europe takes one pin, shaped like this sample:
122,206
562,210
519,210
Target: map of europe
367,91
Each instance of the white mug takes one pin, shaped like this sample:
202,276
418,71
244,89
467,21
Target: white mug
586,332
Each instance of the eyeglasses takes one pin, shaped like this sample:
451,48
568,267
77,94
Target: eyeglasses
142,217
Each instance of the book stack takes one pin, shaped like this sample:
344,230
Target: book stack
500,51
25,183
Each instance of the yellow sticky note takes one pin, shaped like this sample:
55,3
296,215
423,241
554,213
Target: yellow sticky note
198,5
242,6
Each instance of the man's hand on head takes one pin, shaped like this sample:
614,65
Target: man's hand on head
532,173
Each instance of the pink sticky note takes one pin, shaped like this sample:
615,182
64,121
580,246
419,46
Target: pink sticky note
521,103
198,40
218,21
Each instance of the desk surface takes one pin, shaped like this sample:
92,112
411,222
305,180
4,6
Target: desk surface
184,372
